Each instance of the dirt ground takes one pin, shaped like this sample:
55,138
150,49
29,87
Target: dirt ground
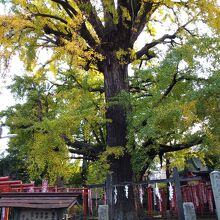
206,217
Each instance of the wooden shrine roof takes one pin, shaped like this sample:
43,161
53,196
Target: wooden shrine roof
50,200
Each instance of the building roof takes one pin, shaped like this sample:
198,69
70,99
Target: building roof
38,200
195,165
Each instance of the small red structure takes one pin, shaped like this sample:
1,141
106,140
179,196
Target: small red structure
28,200
38,205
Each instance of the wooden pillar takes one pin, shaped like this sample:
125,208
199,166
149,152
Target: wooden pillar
179,200
150,201
85,202
5,213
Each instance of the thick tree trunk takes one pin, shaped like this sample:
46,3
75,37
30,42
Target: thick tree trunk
116,81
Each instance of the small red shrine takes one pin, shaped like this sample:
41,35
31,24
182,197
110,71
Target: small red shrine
22,201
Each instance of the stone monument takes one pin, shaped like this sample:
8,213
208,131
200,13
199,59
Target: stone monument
189,211
103,212
215,181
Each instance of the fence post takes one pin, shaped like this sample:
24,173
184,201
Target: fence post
85,200
149,201
109,195
179,200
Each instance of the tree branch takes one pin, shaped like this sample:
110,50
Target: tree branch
84,32
83,153
152,152
133,6
144,13
176,80
148,46
172,84
125,21
177,147
98,89
86,35
83,158
67,7
145,167
49,16
88,9
83,148
108,8
137,89
58,34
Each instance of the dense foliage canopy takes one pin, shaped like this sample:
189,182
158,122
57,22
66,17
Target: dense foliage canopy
81,99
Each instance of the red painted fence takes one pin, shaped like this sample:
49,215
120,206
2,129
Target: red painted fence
199,194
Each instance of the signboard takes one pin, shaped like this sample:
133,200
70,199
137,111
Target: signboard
39,214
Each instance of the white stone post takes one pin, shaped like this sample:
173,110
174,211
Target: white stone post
189,211
103,212
215,181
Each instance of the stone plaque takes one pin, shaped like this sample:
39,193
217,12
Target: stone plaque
189,211
215,181
103,212
38,214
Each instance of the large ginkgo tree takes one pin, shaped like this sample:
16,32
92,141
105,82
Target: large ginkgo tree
100,37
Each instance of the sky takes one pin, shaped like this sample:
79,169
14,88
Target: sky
6,98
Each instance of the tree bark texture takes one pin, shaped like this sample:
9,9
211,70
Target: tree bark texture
116,81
